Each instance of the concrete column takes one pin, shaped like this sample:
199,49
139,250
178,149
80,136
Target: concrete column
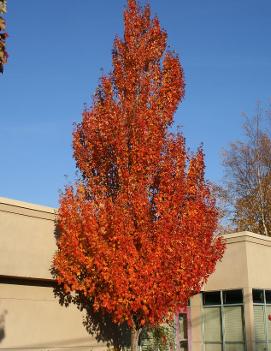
196,342
249,318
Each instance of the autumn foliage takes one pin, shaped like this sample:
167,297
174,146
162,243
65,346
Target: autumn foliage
137,228
247,186
3,36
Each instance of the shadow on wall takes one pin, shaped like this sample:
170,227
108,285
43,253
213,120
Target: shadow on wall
2,325
97,324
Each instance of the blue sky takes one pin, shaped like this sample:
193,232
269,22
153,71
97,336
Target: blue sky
58,48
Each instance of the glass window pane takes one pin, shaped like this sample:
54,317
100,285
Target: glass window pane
259,323
261,347
268,322
258,296
211,298
213,347
233,324
212,324
268,296
232,296
234,347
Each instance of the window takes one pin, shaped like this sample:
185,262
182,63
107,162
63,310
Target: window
262,323
223,322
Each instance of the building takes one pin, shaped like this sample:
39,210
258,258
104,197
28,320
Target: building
30,315
233,312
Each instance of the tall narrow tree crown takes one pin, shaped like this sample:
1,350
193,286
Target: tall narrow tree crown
137,228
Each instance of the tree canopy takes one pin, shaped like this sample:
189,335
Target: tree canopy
136,230
248,175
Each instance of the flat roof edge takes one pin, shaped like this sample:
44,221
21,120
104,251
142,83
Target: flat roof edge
246,236
27,205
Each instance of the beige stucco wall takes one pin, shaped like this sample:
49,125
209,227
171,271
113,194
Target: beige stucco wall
30,316
245,263
231,272
27,239
33,319
196,323
258,249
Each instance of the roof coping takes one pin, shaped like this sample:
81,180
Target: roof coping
27,205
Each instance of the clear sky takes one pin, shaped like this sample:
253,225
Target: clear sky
58,48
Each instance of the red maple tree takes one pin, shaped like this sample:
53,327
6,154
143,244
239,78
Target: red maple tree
137,228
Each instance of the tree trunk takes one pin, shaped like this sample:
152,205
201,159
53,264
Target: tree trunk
134,337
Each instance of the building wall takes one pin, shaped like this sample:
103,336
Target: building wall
27,239
245,263
30,316
258,250
231,272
